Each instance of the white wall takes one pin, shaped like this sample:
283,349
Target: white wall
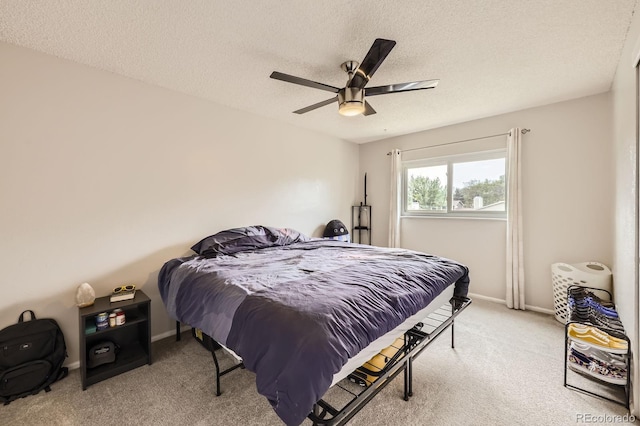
104,178
567,184
625,233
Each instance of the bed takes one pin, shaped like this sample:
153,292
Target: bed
303,312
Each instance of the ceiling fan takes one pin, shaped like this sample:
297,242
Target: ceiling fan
351,98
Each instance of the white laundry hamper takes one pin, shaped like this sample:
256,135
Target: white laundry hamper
586,274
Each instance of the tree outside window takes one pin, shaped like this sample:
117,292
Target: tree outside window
469,184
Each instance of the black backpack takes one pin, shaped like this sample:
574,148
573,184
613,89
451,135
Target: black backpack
31,357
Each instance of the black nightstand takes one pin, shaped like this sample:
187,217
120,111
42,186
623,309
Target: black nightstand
133,338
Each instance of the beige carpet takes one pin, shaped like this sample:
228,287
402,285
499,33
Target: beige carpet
506,369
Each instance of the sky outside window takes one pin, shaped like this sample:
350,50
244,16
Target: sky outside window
477,170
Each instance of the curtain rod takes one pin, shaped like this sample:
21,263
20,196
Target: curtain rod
523,131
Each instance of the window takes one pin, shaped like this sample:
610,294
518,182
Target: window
468,185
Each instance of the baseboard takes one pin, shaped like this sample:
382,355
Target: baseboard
539,309
169,333
504,302
487,298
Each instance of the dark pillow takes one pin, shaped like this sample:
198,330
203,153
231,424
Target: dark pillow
246,238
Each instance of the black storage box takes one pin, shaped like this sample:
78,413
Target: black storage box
206,341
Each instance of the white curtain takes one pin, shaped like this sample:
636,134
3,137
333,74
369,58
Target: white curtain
515,262
394,200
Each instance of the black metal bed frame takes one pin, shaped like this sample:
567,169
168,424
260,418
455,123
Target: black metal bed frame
416,341
211,349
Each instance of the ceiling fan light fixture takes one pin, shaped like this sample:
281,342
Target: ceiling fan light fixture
350,109
351,101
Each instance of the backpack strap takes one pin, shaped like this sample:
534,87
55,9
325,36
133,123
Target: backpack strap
64,371
21,317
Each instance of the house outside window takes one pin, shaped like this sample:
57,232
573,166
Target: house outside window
462,185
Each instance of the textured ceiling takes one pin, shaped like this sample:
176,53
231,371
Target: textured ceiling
491,56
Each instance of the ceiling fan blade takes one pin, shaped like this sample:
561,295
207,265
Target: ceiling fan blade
315,106
303,82
368,109
372,60
402,87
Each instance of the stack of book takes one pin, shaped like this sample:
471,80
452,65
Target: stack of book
125,292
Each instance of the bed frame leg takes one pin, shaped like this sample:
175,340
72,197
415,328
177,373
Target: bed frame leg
406,383
215,361
178,331
453,346
408,373
410,366
316,413
220,373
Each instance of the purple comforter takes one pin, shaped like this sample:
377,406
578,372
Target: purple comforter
297,313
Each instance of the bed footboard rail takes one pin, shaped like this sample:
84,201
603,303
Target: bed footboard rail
359,394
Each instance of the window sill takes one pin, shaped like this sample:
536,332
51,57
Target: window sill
451,216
